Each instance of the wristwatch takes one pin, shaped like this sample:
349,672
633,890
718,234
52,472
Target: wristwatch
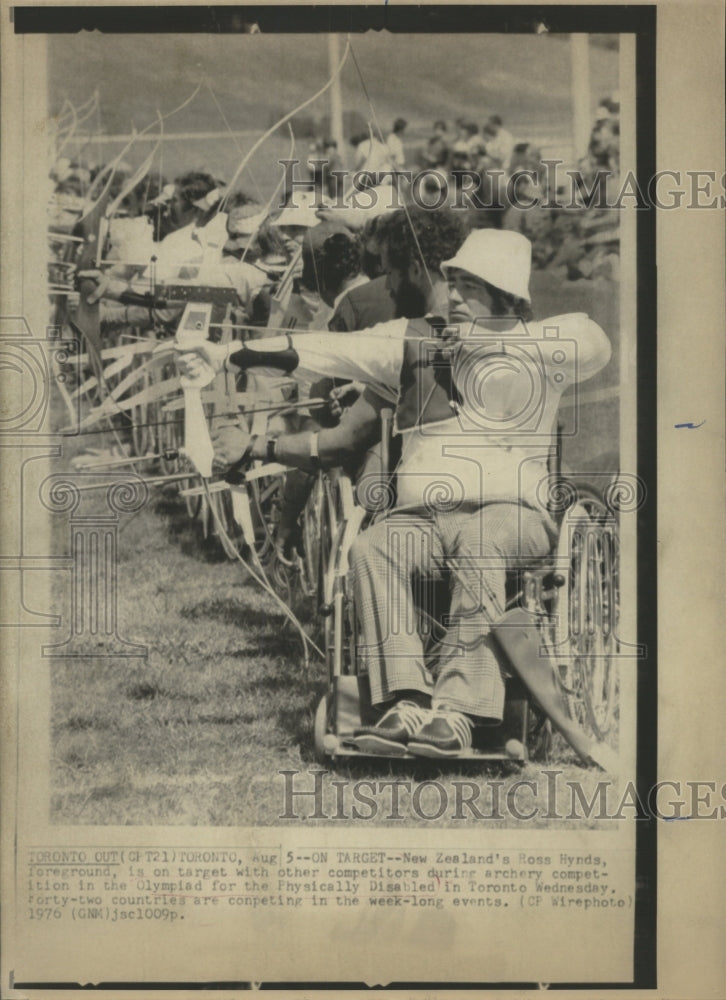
271,453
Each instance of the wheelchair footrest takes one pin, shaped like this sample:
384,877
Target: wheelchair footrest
351,708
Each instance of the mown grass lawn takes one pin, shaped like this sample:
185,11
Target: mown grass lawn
197,731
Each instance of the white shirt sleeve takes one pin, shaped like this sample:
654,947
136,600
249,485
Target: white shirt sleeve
374,355
592,351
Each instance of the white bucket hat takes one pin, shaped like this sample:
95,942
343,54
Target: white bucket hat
501,257
245,225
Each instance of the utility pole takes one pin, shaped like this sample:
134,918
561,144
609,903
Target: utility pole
336,99
581,123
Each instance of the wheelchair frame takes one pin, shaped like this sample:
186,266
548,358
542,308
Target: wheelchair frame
571,596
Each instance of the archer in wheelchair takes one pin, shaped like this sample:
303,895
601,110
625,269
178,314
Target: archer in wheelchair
463,502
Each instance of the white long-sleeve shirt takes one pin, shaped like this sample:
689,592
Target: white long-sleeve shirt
495,445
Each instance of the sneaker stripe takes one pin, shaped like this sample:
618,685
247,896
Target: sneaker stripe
412,716
462,728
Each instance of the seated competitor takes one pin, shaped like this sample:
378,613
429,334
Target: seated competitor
468,505
415,286
203,250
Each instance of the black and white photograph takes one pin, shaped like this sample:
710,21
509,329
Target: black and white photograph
336,352
355,240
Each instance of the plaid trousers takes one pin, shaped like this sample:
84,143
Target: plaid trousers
395,565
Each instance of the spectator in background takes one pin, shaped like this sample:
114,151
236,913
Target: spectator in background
499,143
603,151
436,154
525,156
474,141
370,154
522,194
395,145
461,134
460,157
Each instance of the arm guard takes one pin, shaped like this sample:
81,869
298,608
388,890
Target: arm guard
286,359
144,299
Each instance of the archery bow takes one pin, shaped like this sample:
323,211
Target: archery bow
193,328
92,228
87,315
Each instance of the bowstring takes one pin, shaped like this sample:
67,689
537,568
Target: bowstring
383,141
268,205
224,118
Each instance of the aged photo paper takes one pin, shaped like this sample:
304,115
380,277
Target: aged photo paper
200,639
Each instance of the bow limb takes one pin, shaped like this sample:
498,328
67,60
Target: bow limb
285,118
233,137
199,450
131,183
78,117
197,442
92,229
270,200
71,130
134,138
66,108
86,110
106,175
87,319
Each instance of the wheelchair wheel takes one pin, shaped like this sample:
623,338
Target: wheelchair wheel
319,526
265,498
312,521
587,613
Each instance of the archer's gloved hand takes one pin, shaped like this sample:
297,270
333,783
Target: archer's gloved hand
103,284
195,360
230,444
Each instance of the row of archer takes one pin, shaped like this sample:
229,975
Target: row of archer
258,270
414,245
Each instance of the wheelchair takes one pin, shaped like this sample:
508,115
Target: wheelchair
570,600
